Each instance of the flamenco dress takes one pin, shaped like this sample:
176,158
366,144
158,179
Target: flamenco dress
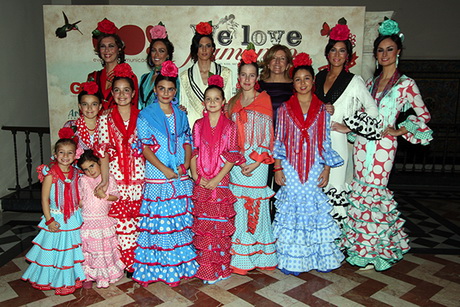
213,211
303,226
56,257
164,249
98,234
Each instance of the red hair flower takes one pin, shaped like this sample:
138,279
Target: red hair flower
216,80
340,32
66,133
203,28
106,26
169,69
158,32
90,87
123,70
249,56
302,59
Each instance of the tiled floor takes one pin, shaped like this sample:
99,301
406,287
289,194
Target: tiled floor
429,275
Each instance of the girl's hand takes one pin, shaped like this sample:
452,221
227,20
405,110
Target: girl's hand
106,112
248,169
54,226
100,194
280,179
203,182
103,186
323,178
211,184
169,173
329,108
335,126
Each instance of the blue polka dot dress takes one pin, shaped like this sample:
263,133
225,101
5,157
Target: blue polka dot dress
164,249
303,226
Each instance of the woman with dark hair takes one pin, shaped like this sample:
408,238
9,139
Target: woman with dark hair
349,96
110,49
160,50
374,236
274,78
194,80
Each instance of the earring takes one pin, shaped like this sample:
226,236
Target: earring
376,64
397,60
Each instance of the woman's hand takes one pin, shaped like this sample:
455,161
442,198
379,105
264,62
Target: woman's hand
101,188
54,226
280,179
248,169
335,126
323,178
169,174
182,108
394,132
329,108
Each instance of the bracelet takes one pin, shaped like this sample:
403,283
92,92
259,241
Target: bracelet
198,180
278,169
49,221
184,170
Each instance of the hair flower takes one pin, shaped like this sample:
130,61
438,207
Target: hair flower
216,80
249,56
340,32
66,133
169,69
123,70
105,27
79,152
389,27
302,59
158,32
90,87
204,28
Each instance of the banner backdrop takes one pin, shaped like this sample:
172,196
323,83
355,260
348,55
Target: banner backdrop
70,59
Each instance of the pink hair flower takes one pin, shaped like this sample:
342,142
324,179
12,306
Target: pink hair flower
169,69
158,32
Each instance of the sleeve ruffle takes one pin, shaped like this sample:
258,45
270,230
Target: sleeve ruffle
263,157
279,151
151,142
42,171
101,148
332,158
351,137
419,132
233,157
363,124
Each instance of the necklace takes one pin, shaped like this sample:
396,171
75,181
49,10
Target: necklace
174,134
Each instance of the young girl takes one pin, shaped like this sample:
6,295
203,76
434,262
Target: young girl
56,256
164,249
86,127
215,152
116,135
99,242
253,244
303,226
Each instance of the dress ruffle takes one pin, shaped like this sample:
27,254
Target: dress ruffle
374,231
419,132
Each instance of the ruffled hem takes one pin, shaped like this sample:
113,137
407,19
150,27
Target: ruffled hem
125,209
165,242
103,276
100,245
213,228
241,264
172,276
339,201
419,132
167,190
175,257
374,232
213,271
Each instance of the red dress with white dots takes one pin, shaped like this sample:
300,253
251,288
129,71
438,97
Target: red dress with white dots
127,166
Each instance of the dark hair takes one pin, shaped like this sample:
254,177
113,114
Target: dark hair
62,142
270,55
306,67
130,81
83,93
169,47
118,41
395,38
331,44
160,77
216,87
196,44
88,155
